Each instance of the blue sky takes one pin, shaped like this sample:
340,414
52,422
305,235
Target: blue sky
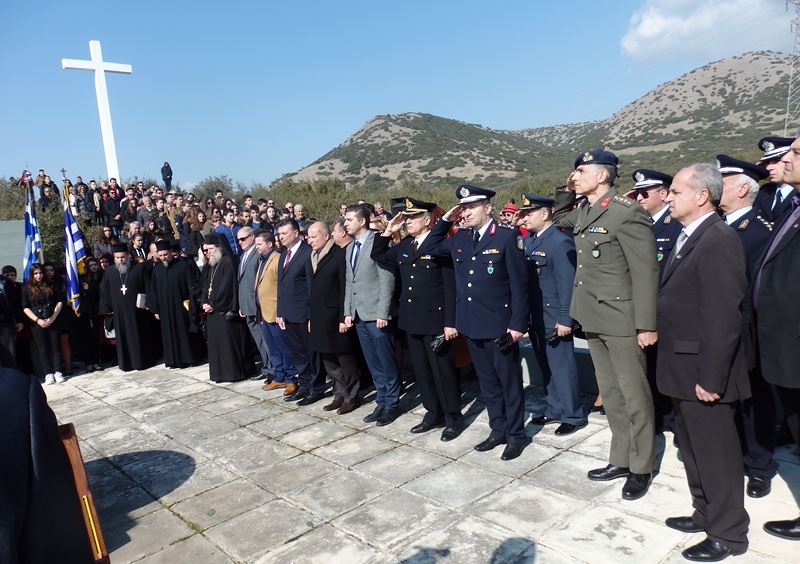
257,89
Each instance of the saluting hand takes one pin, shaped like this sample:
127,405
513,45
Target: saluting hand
705,396
454,213
570,182
394,225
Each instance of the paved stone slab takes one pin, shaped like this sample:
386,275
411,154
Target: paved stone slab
316,435
171,489
464,443
123,507
546,435
293,474
278,425
668,496
208,396
465,540
337,493
457,484
195,549
238,536
538,554
252,413
228,442
532,457
387,520
251,457
526,509
205,429
150,534
221,504
229,404
351,450
400,465
595,445
133,438
602,534
567,473
324,545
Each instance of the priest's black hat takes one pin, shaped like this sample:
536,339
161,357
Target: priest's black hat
162,245
119,248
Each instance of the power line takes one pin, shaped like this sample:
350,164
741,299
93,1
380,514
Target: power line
793,96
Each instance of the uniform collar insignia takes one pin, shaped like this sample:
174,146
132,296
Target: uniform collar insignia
605,202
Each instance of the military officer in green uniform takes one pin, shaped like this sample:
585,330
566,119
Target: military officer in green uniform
614,300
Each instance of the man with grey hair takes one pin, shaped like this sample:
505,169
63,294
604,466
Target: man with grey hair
248,265
757,414
701,363
614,300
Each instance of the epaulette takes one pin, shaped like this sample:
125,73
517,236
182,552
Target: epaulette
627,202
766,223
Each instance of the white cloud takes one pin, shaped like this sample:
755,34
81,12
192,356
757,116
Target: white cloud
711,29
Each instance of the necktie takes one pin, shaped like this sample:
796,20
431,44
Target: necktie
778,198
288,258
476,236
414,246
678,244
354,258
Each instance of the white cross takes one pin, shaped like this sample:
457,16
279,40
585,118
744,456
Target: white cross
124,289
100,68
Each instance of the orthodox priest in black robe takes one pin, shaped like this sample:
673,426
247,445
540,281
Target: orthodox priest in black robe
228,358
171,296
123,284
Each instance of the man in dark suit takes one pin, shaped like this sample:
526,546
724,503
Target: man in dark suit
774,199
248,265
551,260
701,361
294,276
756,415
427,310
40,514
492,309
777,316
329,335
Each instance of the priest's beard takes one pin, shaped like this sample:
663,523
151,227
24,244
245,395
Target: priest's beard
214,257
122,266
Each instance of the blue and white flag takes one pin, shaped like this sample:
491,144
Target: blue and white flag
74,256
33,241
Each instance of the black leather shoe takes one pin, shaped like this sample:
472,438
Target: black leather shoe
567,429
311,398
372,417
424,427
636,486
512,451
709,551
683,524
298,395
489,444
543,420
758,487
789,530
388,416
450,433
610,472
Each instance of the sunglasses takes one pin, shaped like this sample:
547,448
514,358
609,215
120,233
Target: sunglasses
240,239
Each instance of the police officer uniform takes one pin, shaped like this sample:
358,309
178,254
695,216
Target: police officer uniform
491,297
773,199
427,305
756,415
550,256
614,296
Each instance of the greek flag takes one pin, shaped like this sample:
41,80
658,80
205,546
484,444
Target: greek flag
74,256
33,242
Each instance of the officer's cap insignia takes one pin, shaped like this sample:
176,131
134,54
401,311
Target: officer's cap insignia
587,156
464,192
719,165
767,146
409,204
525,200
639,177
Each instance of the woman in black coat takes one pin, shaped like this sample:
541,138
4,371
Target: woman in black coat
43,306
166,176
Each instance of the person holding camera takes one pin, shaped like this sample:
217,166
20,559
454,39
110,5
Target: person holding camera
551,258
42,307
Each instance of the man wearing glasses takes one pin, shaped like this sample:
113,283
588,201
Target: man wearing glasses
248,265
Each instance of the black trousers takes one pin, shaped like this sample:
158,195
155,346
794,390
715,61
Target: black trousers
663,416
343,370
48,345
8,345
790,402
500,378
756,422
436,379
306,361
712,456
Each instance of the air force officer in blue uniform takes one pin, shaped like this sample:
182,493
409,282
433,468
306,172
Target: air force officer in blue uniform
492,309
550,256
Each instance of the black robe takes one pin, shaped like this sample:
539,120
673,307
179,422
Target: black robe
227,333
129,321
171,295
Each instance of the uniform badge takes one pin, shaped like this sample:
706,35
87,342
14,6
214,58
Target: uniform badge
743,225
667,219
767,146
520,243
639,177
604,203
491,252
587,156
490,268
539,253
659,256
601,230
596,252
525,200
409,204
463,192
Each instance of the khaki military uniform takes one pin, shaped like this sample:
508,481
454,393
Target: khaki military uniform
614,295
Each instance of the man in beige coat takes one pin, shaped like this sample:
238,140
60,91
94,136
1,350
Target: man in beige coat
614,300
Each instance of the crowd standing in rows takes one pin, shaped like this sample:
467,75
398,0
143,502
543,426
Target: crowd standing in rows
680,286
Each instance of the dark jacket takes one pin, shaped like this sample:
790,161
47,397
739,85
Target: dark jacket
551,262
293,285
699,317
327,304
427,285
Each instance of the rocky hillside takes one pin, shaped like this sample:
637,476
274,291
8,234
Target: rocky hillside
724,106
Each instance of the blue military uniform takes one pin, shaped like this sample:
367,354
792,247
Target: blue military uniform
551,259
766,204
491,297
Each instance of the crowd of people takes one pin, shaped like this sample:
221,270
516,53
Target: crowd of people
681,287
